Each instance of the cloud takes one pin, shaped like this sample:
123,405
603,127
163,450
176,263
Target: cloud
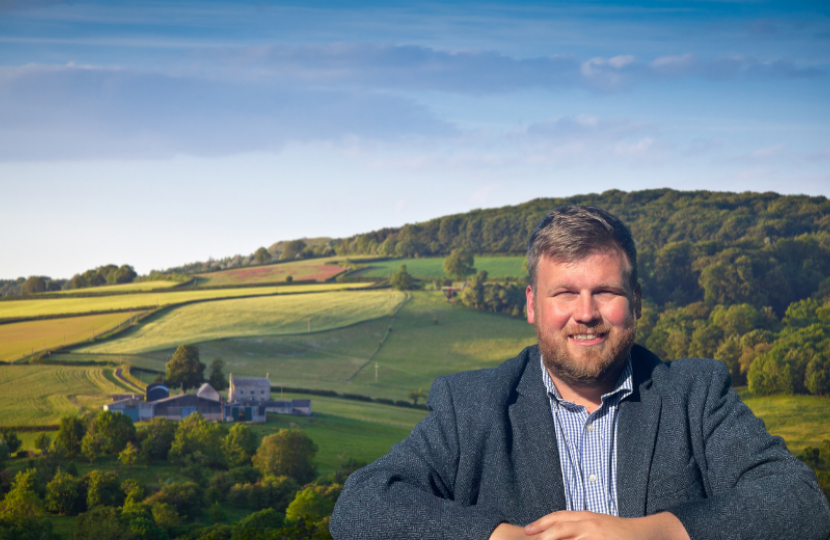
72,112
410,67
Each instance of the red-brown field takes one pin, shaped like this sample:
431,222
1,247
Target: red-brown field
271,274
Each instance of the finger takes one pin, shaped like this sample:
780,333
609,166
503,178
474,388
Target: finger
563,530
545,522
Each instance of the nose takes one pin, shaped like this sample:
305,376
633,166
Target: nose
586,310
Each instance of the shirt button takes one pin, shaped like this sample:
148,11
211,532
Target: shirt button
592,478
590,427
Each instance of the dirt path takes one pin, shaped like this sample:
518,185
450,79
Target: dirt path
126,381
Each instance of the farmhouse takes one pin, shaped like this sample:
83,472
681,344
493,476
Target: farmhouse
255,411
249,389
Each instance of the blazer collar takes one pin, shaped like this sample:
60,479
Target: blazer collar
637,428
535,442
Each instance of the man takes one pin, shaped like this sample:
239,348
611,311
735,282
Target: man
585,436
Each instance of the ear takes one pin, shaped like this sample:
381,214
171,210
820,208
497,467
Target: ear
638,302
530,306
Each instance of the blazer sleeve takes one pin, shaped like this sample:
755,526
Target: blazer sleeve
756,489
408,494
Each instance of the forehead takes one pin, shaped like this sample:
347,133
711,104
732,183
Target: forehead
607,266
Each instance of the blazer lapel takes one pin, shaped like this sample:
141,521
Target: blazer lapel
536,458
639,417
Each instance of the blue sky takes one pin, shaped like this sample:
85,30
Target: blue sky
158,133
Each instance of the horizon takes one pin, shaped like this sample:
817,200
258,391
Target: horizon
155,134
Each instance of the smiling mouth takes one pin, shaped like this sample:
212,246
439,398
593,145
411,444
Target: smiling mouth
589,338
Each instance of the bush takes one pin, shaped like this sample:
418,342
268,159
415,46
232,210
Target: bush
185,498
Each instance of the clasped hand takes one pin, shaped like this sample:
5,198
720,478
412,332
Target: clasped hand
586,525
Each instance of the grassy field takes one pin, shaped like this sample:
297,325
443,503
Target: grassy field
801,420
496,267
415,352
21,339
316,269
138,286
251,317
40,394
56,306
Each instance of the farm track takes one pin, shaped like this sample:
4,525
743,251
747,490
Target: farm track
126,381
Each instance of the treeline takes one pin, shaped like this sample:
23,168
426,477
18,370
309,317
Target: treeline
109,274
275,479
30,285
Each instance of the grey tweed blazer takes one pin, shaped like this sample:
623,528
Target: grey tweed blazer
486,454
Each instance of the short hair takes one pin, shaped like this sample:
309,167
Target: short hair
571,233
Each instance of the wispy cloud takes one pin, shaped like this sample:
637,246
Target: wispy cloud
74,112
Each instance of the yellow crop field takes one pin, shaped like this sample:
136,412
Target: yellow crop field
125,288
38,394
69,305
20,339
272,315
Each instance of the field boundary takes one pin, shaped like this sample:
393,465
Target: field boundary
383,340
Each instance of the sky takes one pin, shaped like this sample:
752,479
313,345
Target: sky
160,133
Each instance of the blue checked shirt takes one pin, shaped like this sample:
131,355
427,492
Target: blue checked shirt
588,446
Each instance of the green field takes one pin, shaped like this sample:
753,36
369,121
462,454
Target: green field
801,420
138,286
496,267
22,339
315,269
251,317
57,306
415,352
40,394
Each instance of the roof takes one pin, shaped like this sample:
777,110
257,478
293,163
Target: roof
123,402
301,402
257,381
206,388
189,397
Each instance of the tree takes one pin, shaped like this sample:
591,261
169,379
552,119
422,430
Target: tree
62,494
200,441
92,446
261,256
217,379
125,274
309,502
155,439
116,429
128,456
817,379
4,451
70,434
34,284
103,489
21,507
289,452
42,442
459,264
186,498
402,280
185,368
292,249
415,395
12,440
239,446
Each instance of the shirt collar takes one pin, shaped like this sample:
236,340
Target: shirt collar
624,385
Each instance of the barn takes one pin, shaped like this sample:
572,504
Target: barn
183,405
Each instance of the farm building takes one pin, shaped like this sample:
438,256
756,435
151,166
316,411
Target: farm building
249,389
181,406
130,406
249,411
206,391
156,391
255,411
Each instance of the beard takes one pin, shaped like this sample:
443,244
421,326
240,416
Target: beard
597,366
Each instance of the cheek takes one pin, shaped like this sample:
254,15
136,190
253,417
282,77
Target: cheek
619,314
556,315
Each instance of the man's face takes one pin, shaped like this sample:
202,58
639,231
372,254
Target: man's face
585,314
